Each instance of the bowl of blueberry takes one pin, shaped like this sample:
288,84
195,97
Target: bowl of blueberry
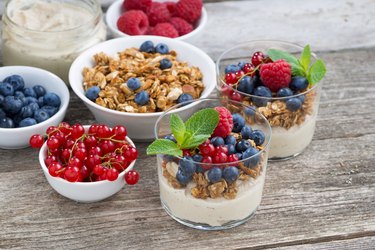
31,99
280,80
132,81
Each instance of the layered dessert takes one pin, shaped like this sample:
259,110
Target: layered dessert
284,89
213,181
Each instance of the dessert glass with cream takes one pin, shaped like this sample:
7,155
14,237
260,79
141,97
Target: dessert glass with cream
290,108
217,184
50,34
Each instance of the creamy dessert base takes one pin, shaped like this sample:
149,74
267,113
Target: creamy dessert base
213,212
290,142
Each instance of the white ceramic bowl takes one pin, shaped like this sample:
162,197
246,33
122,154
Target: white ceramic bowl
14,138
139,125
84,191
115,10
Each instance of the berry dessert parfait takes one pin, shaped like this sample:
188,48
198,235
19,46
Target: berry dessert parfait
212,166
282,81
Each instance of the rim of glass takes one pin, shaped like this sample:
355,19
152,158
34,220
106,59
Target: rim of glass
267,124
221,82
96,8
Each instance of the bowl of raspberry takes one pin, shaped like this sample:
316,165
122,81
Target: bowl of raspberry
86,163
31,99
183,20
131,81
211,163
282,81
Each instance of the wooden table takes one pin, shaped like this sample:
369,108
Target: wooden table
322,199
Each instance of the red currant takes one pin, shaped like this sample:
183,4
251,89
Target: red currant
75,162
231,78
119,132
249,69
77,131
64,127
119,162
226,90
90,141
53,151
72,174
206,159
95,151
69,143
80,153
220,157
84,172
257,58
98,170
112,174
239,74
131,177
53,143
51,130
186,152
49,159
235,96
130,154
36,141
107,146
103,131
232,158
54,169
92,129
207,149
65,155
92,161
221,149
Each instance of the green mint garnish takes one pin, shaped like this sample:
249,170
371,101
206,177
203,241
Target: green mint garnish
188,135
301,66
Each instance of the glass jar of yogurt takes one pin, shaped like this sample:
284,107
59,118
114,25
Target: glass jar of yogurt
50,34
214,195
291,113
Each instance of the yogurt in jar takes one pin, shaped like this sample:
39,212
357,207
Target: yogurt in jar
50,34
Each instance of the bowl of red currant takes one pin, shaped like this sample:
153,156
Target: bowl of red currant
86,163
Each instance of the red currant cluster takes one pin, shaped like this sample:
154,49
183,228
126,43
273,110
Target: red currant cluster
100,154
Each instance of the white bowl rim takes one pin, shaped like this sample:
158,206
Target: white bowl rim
84,184
202,22
91,51
63,106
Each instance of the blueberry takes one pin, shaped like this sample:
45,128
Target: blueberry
302,98
27,122
39,90
246,132
246,85
284,92
2,98
242,145
265,96
29,91
34,106
217,140
28,99
165,63
298,83
16,81
182,178
184,98
258,137
214,174
19,94
41,101
12,105
230,174
26,111
51,99
91,93
2,114
238,122
250,111
239,156
6,89
293,104
161,48
170,137
231,149
133,83
142,98
241,64
230,139
147,46
40,115
50,110
187,166
6,123
252,162
197,157
231,68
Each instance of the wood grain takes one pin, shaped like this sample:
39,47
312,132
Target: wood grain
322,199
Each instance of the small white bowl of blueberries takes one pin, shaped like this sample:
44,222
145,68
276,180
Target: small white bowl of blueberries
31,100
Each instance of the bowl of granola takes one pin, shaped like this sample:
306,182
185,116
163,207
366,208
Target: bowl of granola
282,81
132,81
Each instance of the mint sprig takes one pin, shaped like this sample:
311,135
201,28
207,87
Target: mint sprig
301,66
188,135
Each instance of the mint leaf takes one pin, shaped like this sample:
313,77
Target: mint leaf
164,146
317,72
297,68
305,58
202,122
194,141
178,128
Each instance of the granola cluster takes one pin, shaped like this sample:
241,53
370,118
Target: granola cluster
164,87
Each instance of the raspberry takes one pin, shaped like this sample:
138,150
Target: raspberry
164,29
225,125
137,5
190,10
158,13
181,25
133,22
171,6
276,75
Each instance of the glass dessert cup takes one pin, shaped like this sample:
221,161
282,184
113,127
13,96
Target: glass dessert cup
205,205
292,131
